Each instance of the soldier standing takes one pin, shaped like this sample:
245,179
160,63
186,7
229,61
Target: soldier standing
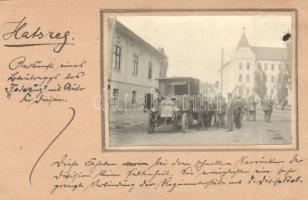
238,111
223,114
284,103
220,108
201,108
252,108
205,110
246,109
230,106
268,108
210,112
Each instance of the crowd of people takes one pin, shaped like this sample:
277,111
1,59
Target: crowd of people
222,113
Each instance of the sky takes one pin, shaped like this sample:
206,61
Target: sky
193,44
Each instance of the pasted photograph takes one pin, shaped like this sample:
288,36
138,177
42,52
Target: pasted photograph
200,80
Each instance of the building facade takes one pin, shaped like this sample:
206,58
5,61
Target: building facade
269,63
209,89
135,67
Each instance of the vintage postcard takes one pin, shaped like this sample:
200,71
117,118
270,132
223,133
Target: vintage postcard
153,100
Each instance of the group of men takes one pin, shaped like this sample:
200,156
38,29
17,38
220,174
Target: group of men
222,113
227,114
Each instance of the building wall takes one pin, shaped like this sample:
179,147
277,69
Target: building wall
209,89
245,61
130,48
240,72
125,81
271,69
124,101
233,71
229,79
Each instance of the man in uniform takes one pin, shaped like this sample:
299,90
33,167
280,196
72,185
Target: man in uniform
223,112
268,108
284,103
238,112
201,108
205,110
229,109
210,112
252,108
246,109
220,109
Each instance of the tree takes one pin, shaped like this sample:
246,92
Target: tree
260,83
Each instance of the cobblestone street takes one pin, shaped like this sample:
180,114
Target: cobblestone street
129,129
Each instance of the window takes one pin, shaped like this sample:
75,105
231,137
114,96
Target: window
135,65
279,67
247,77
273,66
248,66
115,92
134,97
265,66
259,66
150,71
240,91
117,57
240,78
240,65
118,40
273,79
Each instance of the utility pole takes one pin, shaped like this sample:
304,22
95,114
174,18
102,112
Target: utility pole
221,70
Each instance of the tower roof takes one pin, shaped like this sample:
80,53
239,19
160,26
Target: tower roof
243,41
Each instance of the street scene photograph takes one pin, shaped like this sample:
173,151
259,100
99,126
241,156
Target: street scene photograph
200,80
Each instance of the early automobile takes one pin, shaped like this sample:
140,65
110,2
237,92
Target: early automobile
179,103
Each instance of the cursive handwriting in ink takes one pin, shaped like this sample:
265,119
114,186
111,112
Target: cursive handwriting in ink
73,175
43,82
20,63
47,38
51,143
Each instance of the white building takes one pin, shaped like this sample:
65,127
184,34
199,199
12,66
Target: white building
135,66
239,73
209,89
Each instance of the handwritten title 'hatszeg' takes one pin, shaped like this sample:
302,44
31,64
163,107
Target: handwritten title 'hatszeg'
22,35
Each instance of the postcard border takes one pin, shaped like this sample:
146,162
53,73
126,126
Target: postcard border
103,11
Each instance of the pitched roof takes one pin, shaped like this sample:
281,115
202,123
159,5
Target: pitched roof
270,53
126,31
263,53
